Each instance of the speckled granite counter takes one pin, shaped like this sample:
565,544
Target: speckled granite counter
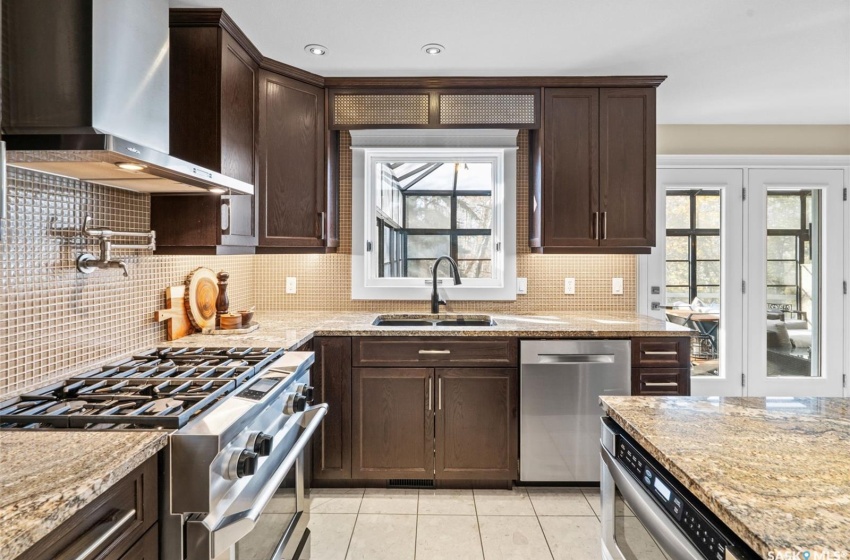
291,329
47,476
776,470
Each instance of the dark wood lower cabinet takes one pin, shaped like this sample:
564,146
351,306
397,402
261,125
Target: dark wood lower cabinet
392,423
477,421
146,548
331,377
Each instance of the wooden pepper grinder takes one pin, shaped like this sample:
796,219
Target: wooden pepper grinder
222,302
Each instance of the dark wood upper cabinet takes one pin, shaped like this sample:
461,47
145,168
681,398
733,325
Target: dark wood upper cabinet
213,98
627,167
291,183
593,171
392,423
477,421
331,377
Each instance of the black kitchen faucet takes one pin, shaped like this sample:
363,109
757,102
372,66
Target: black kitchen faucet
436,302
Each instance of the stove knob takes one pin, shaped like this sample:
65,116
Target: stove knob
305,390
242,464
295,403
261,444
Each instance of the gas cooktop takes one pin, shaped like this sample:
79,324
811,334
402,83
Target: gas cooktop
159,388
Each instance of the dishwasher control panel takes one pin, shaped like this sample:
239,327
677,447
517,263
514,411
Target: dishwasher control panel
700,531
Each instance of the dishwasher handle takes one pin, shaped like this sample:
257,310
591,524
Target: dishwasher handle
575,358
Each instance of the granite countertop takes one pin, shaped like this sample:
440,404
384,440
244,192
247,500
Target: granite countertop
775,470
290,329
47,476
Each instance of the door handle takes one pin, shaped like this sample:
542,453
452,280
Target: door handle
323,226
430,392
439,393
660,384
595,226
660,353
435,351
604,225
575,358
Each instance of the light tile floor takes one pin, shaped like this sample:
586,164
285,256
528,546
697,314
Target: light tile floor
523,523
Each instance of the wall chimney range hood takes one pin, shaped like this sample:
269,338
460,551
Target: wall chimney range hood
85,95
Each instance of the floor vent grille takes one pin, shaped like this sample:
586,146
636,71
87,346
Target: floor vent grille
410,483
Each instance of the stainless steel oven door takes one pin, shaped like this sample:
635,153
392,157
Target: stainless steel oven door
271,508
634,527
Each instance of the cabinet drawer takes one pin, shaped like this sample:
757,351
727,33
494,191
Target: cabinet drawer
661,352
660,381
434,351
108,526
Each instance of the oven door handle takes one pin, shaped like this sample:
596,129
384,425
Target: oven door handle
654,520
228,530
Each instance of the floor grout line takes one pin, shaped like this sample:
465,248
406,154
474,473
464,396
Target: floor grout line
478,524
354,527
539,524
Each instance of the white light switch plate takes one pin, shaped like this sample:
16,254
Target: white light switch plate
291,285
617,286
570,286
521,286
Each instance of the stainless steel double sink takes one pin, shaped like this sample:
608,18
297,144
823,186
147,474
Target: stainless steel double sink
441,320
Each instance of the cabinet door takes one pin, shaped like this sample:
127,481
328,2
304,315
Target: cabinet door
393,423
331,378
238,99
627,167
291,163
570,195
146,548
477,423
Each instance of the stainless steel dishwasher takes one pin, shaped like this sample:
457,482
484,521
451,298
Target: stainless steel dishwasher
560,385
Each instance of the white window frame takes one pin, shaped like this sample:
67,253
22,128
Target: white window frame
370,148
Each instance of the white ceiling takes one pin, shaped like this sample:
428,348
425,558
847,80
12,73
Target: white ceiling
727,61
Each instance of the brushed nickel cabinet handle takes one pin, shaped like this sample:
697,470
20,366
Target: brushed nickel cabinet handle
661,353
323,226
430,392
604,225
97,536
439,393
660,384
435,351
595,226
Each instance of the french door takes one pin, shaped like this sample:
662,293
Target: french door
755,260
795,273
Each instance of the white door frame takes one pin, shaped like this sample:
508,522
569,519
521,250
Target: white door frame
830,183
648,270
730,182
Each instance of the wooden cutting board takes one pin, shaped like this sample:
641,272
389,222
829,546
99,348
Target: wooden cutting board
201,293
177,322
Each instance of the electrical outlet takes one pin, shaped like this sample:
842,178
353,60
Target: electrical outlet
291,285
521,286
617,286
570,286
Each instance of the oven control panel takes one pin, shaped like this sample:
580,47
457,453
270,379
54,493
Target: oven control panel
702,533
258,389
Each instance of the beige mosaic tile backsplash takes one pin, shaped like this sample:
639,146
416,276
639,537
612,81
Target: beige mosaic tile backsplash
324,281
57,322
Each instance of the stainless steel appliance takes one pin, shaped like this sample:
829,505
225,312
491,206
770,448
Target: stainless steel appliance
85,95
668,521
560,385
233,473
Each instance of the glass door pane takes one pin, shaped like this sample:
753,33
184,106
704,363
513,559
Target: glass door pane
700,259
794,310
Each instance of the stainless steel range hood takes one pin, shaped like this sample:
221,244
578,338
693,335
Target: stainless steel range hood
85,95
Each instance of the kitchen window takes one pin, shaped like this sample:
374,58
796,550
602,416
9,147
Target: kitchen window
438,193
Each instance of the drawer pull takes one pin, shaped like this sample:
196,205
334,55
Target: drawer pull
661,353
98,536
440,393
435,351
430,392
660,384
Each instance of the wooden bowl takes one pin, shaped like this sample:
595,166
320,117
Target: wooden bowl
231,321
247,317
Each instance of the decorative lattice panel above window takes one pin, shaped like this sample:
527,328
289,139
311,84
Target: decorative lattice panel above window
486,109
362,109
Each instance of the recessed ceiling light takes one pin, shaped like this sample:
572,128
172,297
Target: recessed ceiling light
317,50
433,48
217,190
130,166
